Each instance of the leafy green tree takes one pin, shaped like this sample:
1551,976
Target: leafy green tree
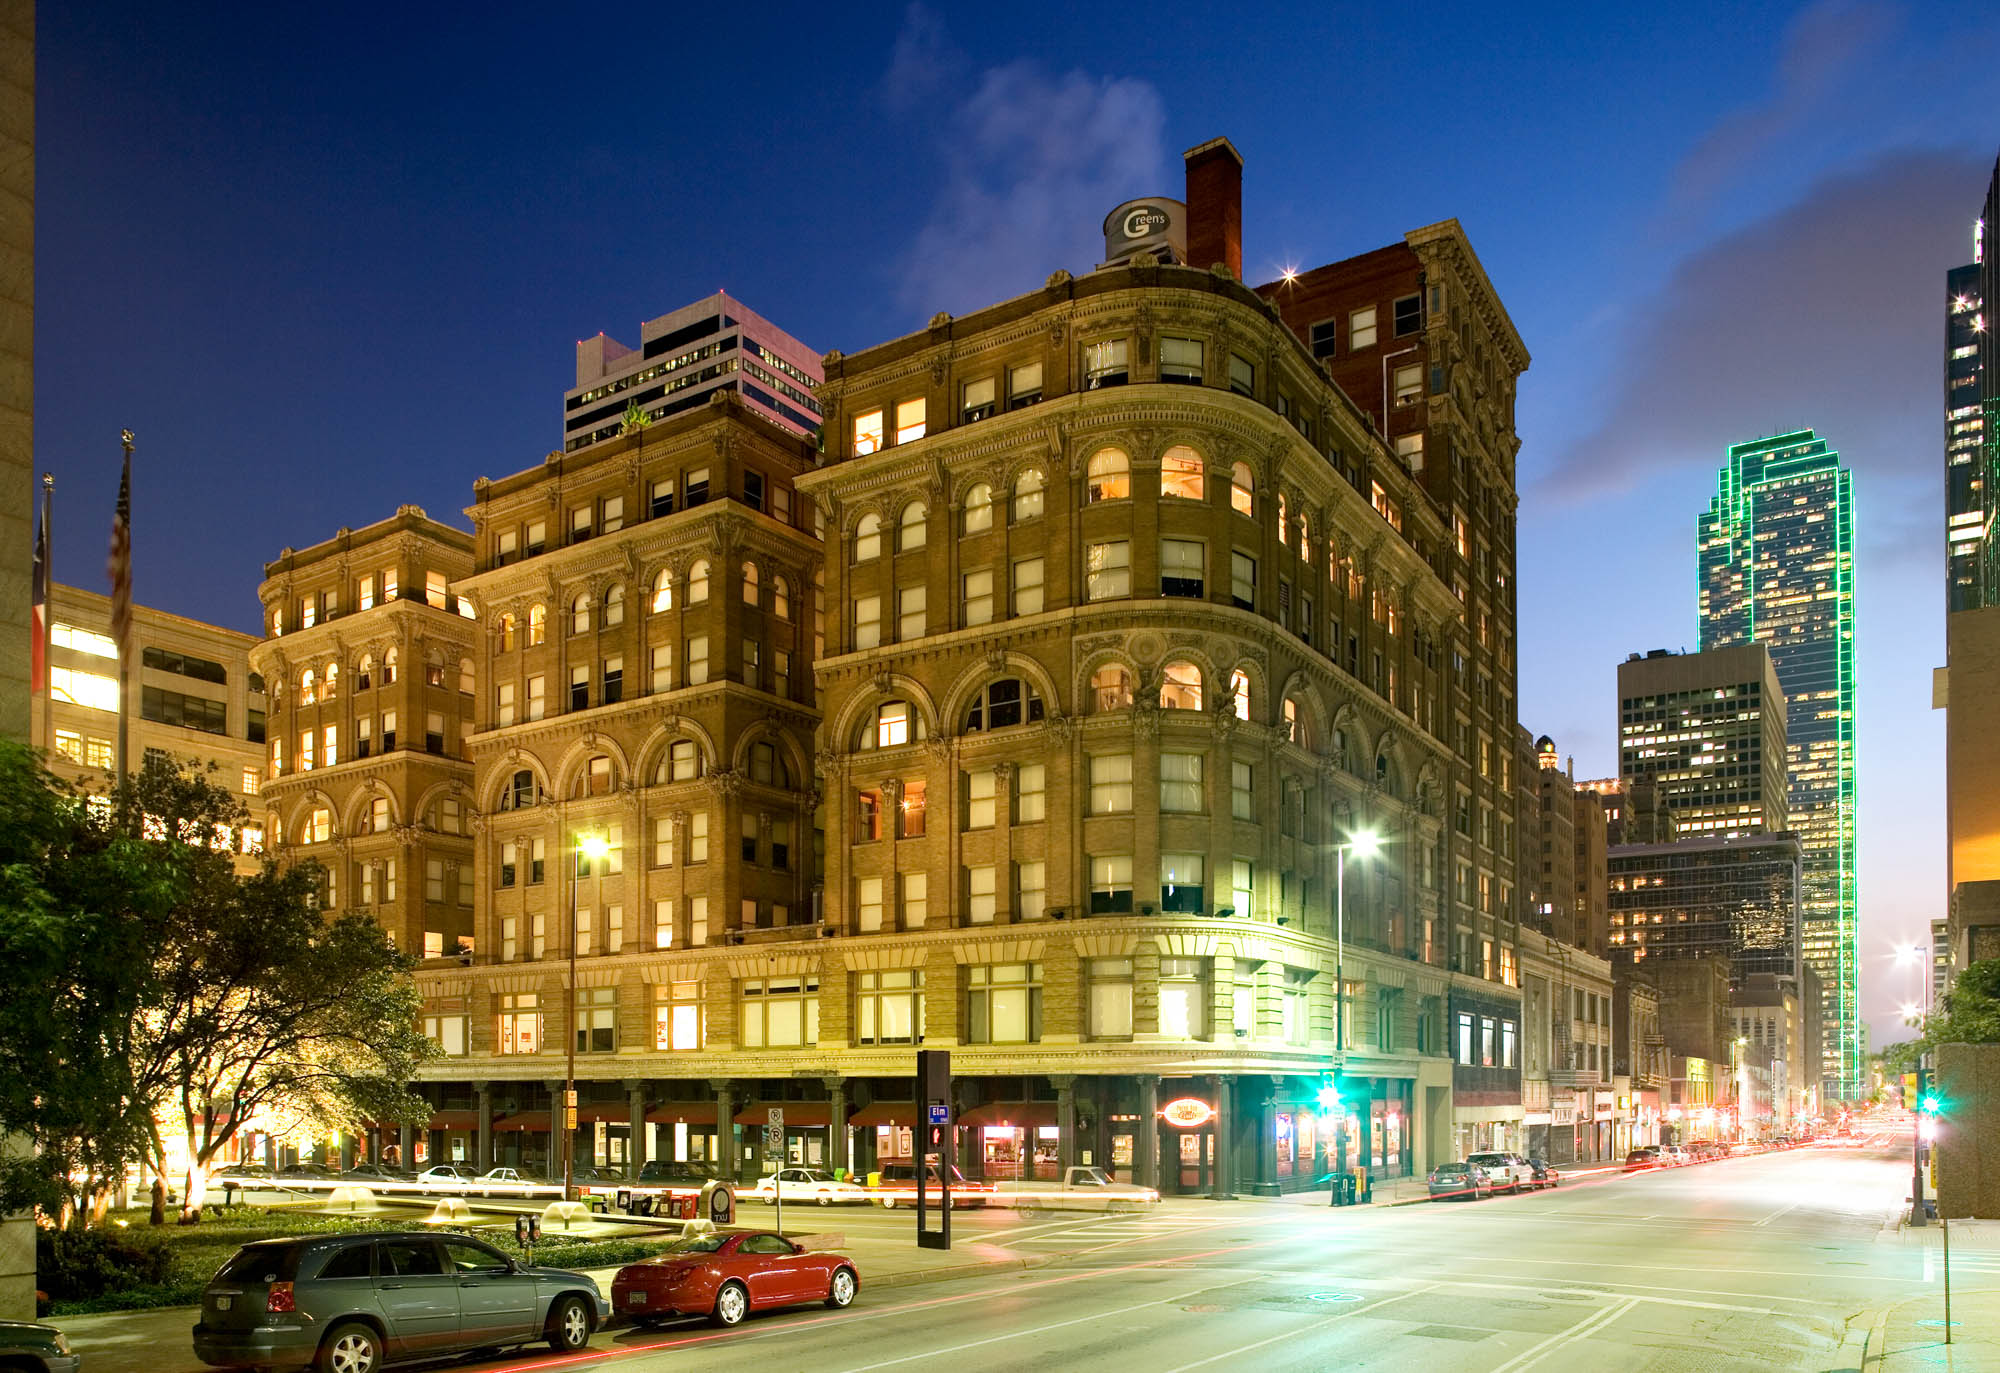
1971,1013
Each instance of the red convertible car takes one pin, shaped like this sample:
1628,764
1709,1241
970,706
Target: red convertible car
726,1277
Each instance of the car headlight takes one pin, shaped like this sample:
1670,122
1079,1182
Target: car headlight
61,1342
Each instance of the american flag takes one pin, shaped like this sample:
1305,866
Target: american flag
120,565
41,603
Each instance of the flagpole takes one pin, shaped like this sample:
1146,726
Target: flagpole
121,606
48,613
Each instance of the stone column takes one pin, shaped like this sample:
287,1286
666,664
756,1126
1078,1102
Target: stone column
483,1159
1146,1132
346,1150
1265,1118
837,1138
636,1148
1065,1123
725,1129
1225,1130
554,1165
406,1158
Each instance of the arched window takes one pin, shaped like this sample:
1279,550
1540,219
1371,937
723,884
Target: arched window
868,538
1110,476
579,613
781,598
434,668
1180,687
1002,704
680,763
1183,474
319,826
538,625
1284,521
1305,539
1242,490
364,672
331,686
1340,745
914,530
389,667
614,605
1111,687
521,791
308,687
1385,774
1239,693
893,724
1028,495
698,582
663,590
594,779
506,631
767,765
749,583
978,508
1294,723
378,815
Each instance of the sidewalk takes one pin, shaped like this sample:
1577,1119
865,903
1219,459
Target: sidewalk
160,1340
1908,1337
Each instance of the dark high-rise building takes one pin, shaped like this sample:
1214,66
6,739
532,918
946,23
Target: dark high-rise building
1776,548
1708,730
1965,516
1737,898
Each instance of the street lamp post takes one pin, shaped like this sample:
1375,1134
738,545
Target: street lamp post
593,847
1365,844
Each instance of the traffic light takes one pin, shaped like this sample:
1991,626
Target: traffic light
1329,1099
1931,1104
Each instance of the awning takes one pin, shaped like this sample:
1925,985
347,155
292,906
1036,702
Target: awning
1021,1114
797,1113
455,1120
887,1113
616,1112
524,1120
682,1112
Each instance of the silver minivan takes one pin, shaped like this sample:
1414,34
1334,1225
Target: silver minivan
352,1303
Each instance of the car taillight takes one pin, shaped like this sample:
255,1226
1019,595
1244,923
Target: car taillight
280,1298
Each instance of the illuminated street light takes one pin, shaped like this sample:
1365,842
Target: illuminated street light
1364,844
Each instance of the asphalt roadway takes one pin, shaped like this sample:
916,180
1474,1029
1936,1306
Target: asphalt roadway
1771,1261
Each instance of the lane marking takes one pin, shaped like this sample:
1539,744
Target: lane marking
1583,1329
1782,1211
1297,1331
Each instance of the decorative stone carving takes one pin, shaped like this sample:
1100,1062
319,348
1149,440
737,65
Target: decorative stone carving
1058,279
726,784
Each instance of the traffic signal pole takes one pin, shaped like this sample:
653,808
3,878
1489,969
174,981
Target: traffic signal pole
1917,1216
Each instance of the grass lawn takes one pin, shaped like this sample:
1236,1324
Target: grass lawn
192,1253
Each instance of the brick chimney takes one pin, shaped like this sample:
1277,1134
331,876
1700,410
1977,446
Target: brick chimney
1215,206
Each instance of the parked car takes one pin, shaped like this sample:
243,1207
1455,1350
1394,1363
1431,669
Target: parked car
1645,1156
302,1172
588,1176
808,1184
445,1175
1509,1172
896,1185
239,1171
365,1173
1082,1188
1545,1173
1460,1182
667,1172
506,1182
351,1303
31,1347
1675,1156
728,1276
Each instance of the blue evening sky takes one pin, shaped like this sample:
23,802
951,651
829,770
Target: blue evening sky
329,260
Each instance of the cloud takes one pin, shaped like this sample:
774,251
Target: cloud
1031,163
923,63
1823,48
1827,314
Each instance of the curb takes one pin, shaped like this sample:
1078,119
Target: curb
918,1276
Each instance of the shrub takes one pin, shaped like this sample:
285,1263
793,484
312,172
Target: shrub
78,1266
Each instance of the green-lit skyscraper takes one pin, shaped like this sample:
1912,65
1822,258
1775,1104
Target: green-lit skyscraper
1777,568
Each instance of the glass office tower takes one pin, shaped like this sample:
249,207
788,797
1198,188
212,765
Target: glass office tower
1777,568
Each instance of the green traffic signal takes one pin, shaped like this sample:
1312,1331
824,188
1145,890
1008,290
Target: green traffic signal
1930,1105
1329,1099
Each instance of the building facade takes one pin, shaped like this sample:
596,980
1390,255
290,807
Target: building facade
1966,514
1777,568
1708,731
684,358
1737,899
1569,1085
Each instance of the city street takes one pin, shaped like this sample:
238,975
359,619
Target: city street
1751,1263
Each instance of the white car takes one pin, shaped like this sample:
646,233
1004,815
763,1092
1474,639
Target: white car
1674,1156
808,1184
445,1175
1081,1188
1508,1172
503,1181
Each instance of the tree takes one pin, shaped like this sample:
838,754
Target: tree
1971,1013
184,994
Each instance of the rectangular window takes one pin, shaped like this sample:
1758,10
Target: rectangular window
1108,571
889,1007
1110,998
537,706
867,622
1004,1003
614,514
1465,1044
868,816
1242,376
867,433
981,894
1324,339
1181,568
697,660
503,708
1030,792
1110,783
916,899
749,838
753,490
910,814
677,1018
520,1024
1409,384
694,488
868,904
778,1012
1024,385
596,1020
1030,890
1409,315
1027,586
612,681
1242,804
1361,329
579,688
909,420
979,799
1183,884
1180,782
1180,360
978,400
1242,886
978,597
753,663
697,837
1243,580
910,603
1111,884
1104,364
663,667
660,498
